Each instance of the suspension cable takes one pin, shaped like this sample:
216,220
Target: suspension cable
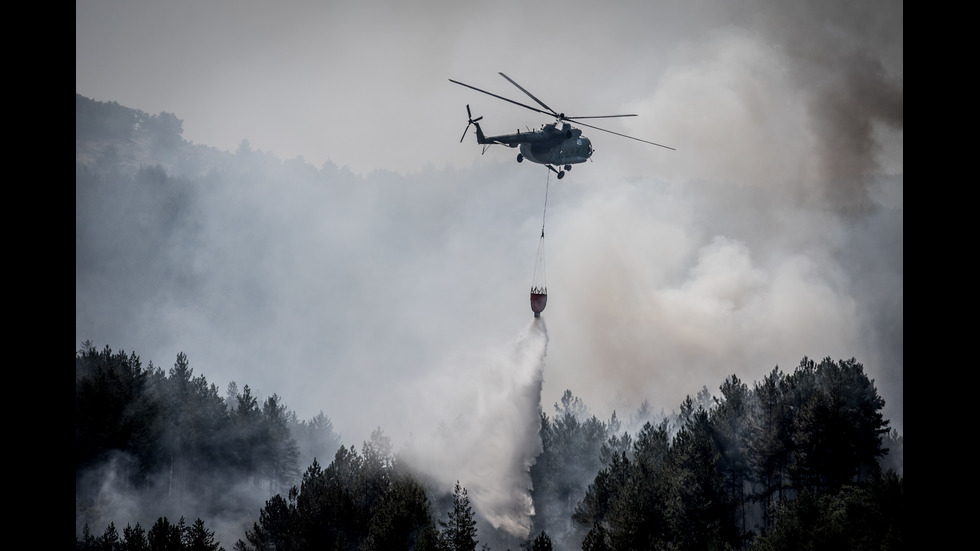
544,215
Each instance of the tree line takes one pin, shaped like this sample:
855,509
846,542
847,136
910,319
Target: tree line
795,461
163,535
798,460
110,121
171,439
176,422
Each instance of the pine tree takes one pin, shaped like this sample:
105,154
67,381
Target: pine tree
276,528
199,538
596,539
838,429
731,421
701,513
134,538
541,543
402,519
770,447
280,451
87,542
110,538
164,536
459,533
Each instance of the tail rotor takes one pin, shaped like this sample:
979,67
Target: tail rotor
471,121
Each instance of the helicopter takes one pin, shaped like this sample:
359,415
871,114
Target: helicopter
556,144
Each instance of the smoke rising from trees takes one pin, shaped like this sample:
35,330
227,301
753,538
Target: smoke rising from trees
488,431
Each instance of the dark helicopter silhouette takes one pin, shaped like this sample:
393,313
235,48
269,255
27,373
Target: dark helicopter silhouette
557,144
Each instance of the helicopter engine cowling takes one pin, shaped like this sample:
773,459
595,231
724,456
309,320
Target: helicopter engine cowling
564,152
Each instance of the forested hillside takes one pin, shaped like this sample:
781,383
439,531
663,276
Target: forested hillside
757,467
165,459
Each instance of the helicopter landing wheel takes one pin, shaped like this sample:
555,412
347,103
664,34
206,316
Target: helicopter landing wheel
520,158
568,167
561,174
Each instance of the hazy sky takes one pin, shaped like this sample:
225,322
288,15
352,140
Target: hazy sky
773,231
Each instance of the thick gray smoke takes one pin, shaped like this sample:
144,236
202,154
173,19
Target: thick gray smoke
489,436
228,507
774,231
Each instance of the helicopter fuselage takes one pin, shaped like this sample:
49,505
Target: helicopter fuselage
549,146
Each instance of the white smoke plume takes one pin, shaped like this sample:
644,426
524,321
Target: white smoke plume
490,437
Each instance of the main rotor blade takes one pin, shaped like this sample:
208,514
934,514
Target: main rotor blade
624,135
600,117
530,95
535,109
560,116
